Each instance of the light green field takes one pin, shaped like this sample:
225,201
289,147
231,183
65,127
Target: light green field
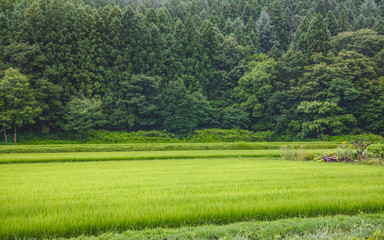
70,199
55,148
138,155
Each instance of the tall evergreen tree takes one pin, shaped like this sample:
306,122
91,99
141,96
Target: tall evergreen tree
379,25
301,35
280,25
369,7
208,38
318,36
343,21
360,22
251,36
267,34
332,24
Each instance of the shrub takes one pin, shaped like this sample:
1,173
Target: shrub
344,152
377,150
370,137
229,135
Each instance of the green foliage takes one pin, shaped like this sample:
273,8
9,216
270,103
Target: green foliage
345,152
267,34
18,105
349,138
231,135
256,87
377,150
135,103
182,111
81,115
318,37
369,7
323,118
104,136
343,21
332,25
365,41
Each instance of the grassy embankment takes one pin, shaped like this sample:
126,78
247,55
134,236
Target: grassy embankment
357,227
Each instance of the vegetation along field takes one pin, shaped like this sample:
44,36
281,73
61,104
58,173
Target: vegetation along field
44,197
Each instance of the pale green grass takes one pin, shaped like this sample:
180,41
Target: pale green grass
138,155
360,226
70,199
53,148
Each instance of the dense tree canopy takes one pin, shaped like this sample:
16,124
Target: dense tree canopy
299,68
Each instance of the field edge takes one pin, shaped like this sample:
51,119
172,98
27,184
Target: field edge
361,226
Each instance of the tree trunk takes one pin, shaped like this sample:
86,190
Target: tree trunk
14,132
5,135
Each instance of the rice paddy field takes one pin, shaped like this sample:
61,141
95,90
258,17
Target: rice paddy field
68,194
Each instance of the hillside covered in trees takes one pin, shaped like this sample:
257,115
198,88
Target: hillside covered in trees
299,68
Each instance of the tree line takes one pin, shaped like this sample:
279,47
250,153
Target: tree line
297,67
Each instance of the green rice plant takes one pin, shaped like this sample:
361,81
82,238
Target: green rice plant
53,148
72,199
134,155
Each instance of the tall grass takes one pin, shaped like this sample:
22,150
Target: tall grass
136,155
69,199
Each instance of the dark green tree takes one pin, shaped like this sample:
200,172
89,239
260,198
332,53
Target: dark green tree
136,103
280,25
208,38
332,24
365,41
360,22
379,25
301,35
181,111
343,21
318,37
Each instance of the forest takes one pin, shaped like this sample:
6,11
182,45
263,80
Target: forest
299,68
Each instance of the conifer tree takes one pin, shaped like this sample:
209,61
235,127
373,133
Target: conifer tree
369,7
370,21
332,23
379,25
318,37
322,7
360,22
267,34
343,21
251,36
301,35
208,38
279,24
